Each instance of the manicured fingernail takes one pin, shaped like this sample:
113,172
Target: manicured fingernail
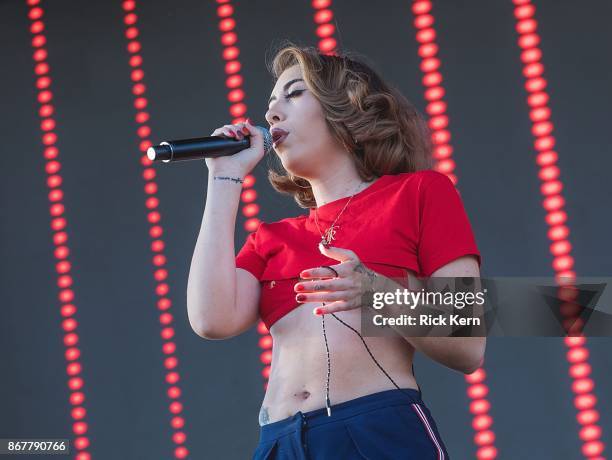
318,311
300,297
299,287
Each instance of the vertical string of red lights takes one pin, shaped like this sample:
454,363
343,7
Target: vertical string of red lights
59,223
160,273
237,109
556,218
477,389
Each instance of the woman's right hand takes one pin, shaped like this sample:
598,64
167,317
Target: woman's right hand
243,162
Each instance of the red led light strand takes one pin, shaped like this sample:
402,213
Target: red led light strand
59,223
160,273
558,233
325,30
238,109
438,121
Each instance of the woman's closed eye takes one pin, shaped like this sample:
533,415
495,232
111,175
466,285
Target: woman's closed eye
294,93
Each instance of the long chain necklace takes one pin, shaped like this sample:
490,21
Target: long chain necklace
330,233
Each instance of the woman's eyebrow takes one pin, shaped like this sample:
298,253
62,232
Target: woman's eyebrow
287,85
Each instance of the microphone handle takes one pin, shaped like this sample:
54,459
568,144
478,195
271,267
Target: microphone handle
196,149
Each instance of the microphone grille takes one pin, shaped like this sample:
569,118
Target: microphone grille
267,138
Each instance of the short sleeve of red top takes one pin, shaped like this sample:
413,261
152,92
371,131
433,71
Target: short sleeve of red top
406,222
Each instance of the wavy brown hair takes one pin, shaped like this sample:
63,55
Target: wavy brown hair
381,129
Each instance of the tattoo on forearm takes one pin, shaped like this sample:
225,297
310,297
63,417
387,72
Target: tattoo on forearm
264,418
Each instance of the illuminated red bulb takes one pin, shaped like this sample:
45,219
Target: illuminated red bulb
587,417
583,386
535,84
229,38
172,378
176,407
482,422
539,114
169,348
170,362
231,53
73,368
325,30
162,289
534,69
81,443
328,44
531,55
261,328
160,274
483,438
442,136
486,453
235,95
426,35
37,27
524,12
266,357
78,413
318,4
40,55
143,131
83,456
529,41
45,96
128,5
52,167
592,448
227,24
157,245
232,67
537,99
225,10
250,225
63,266
181,452
35,13
265,342
265,372
135,61
423,21
559,248
233,81
480,406
64,282
563,263
79,428
323,16
421,7
250,210
237,110
130,19
436,108
167,333
77,398
248,196
544,143
428,50
38,41
174,392
54,181
576,355
434,93
432,79
177,422
131,33
526,26
477,391
430,64
47,125
75,383
553,203
156,231
41,68
477,376
179,437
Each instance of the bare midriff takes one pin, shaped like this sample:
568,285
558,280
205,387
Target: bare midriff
299,363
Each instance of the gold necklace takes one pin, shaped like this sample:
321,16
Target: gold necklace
330,233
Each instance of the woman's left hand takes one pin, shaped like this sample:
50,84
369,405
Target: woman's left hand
341,293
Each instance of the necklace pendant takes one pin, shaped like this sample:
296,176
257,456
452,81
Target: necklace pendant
330,235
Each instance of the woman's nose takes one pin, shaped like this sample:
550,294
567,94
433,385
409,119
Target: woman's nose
273,115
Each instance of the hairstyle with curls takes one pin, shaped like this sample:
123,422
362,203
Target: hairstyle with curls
380,128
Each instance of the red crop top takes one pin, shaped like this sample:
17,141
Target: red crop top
409,221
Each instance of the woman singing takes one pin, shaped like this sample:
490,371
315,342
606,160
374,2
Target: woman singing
356,154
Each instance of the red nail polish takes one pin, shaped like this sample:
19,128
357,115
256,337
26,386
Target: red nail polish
305,274
300,297
300,287
318,311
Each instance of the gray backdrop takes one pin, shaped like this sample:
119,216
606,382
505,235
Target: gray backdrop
108,233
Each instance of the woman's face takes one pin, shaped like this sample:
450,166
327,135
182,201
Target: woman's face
309,144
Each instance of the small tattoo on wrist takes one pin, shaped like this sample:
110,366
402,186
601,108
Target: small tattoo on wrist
233,179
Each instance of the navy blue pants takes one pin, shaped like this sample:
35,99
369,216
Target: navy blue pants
388,425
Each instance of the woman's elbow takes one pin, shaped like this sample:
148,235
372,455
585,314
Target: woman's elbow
474,356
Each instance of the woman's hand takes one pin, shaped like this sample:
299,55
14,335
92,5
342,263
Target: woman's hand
341,293
244,161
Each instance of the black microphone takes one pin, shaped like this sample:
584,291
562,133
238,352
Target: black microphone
204,147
